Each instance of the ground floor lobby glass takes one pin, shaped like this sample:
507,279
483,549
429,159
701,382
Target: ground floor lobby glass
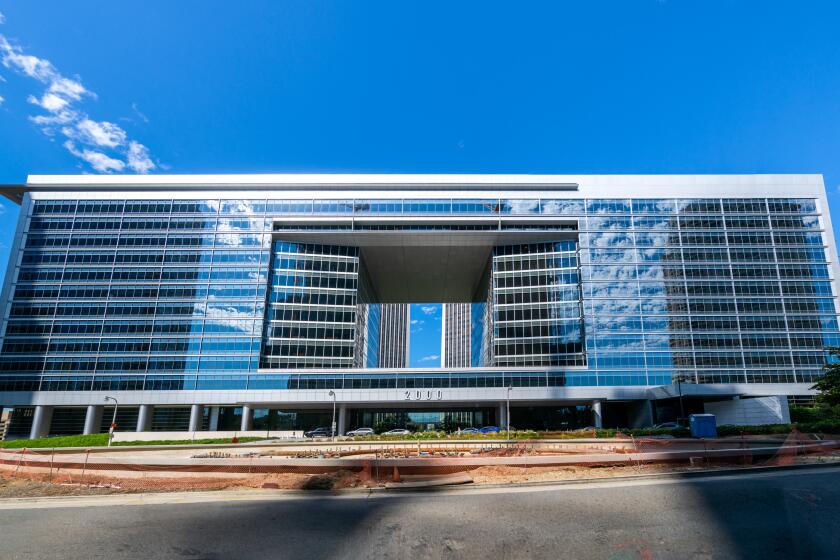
230,419
546,418
450,420
382,420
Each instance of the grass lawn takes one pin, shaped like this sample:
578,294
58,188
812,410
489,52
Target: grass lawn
101,440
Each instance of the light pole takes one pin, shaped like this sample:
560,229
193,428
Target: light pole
332,394
113,419
507,412
679,390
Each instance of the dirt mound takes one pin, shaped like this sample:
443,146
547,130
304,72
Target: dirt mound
508,475
26,484
23,488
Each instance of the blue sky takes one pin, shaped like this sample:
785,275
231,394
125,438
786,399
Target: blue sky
645,86
424,350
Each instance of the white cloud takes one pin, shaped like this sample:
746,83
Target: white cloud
429,358
2,18
417,322
138,158
97,160
51,102
102,163
429,309
103,145
100,134
32,66
1,100
137,112
69,88
47,122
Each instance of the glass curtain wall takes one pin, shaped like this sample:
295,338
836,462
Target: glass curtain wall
110,291
312,306
171,295
458,325
706,290
537,319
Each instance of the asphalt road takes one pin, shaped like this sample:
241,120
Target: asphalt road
784,514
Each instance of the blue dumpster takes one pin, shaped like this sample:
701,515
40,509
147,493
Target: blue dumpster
703,425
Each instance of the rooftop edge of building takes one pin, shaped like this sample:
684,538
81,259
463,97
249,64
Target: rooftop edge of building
653,185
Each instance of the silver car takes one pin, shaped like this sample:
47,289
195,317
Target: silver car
396,432
361,432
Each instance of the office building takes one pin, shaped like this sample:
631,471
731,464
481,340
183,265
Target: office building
241,302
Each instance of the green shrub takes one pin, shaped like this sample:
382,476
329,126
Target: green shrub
766,429
807,413
823,426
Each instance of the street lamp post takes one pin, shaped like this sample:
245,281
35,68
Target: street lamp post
679,391
332,394
507,411
113,419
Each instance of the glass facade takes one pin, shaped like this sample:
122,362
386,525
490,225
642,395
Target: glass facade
537,306
311,321
421,420
457,334
710,290
392,335
176,294
131,294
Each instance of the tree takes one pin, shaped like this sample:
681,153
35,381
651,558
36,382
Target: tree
829,384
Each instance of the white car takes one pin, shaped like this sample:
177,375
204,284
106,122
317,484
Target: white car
396,432
361,432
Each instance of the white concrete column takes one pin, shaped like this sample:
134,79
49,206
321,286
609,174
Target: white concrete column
597,419
93,419
342,419
247,419
195,417
647,411
214,419
501,415
41,422
144,418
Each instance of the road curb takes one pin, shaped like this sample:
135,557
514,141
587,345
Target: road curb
580,481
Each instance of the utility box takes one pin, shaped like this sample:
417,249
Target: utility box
703,425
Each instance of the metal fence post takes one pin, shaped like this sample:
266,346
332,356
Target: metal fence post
22,454
87,456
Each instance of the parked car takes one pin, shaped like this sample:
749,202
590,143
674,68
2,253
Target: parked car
361,432
396,432
468,431
318,432
490,430
668,425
